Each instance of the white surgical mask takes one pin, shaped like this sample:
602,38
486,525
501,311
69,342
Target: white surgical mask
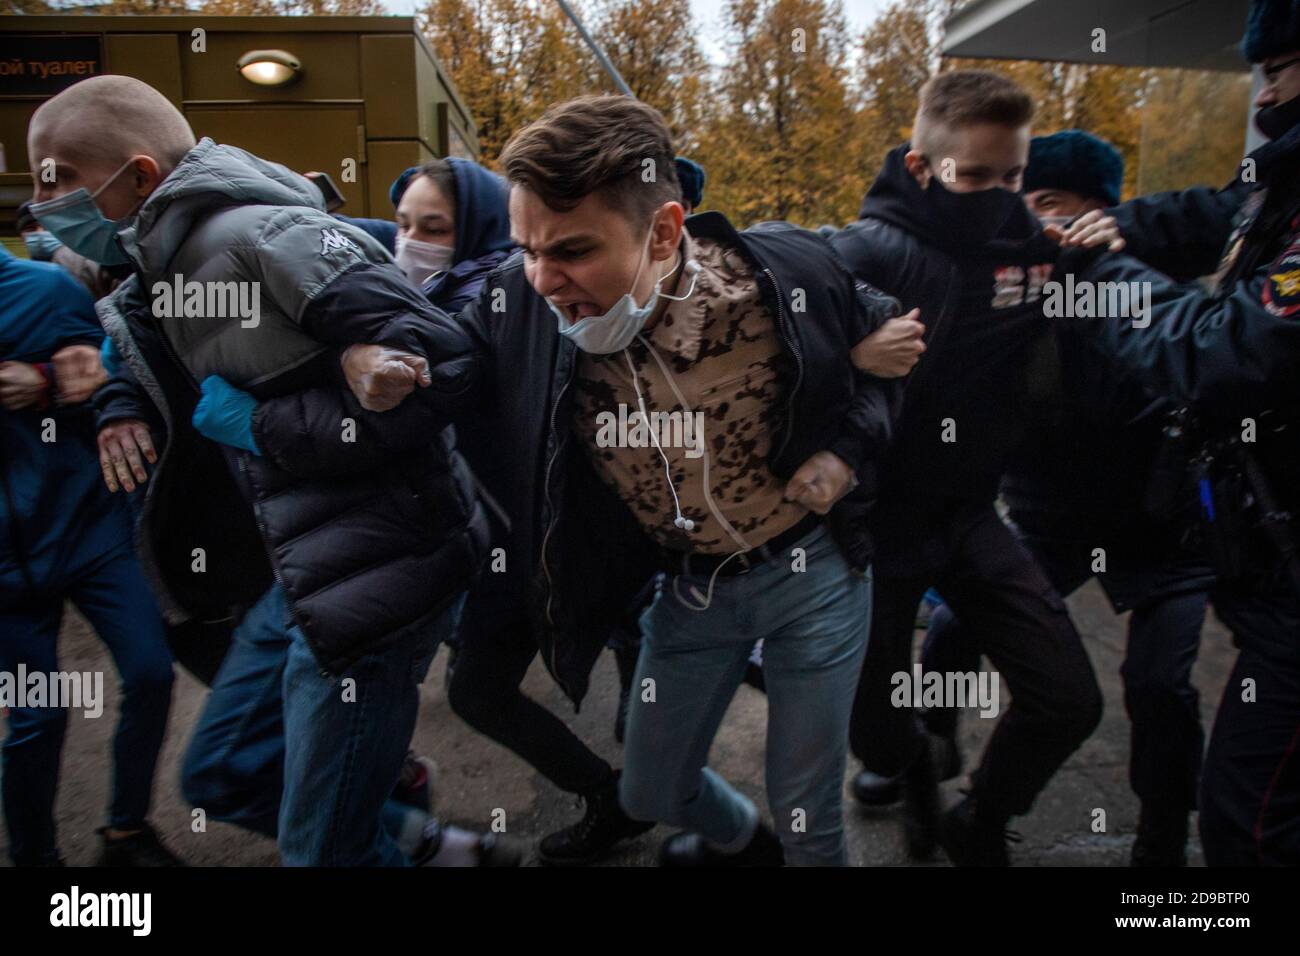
422,260
615,330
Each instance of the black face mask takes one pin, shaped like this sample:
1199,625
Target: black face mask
1277,120
968,220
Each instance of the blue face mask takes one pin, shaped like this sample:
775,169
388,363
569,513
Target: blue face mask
615,330
76,221
41,245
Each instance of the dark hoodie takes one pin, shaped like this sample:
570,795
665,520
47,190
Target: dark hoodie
965,401
482,232
482,236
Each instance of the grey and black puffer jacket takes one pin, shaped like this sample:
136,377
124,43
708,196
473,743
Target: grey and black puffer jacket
371,534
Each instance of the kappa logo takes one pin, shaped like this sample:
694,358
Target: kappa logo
1281,296
333,239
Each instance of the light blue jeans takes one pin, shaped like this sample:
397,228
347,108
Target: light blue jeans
814,624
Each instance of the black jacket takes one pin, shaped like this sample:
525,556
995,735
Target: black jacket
1092,467
575,550
1233,353
977,366
370,538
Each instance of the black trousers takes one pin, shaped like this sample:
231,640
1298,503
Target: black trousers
1020,623
1250,789
497,648
1166,740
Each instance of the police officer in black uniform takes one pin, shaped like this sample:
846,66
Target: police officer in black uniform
1231,358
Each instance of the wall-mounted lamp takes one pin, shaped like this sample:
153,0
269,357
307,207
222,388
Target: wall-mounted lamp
269,67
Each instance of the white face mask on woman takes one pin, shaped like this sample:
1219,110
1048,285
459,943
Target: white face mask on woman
421,260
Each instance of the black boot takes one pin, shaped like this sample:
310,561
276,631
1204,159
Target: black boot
919,785
603,825
972,836
1161,838
873,790
691,849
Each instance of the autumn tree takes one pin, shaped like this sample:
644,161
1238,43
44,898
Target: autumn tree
654,48
787,126
314,8
28,7
509,59
331,8
1182,106
142,8
898,52
239,8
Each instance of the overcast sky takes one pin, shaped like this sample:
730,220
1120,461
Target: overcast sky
708,12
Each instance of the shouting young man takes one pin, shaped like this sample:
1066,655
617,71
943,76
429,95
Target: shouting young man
684,395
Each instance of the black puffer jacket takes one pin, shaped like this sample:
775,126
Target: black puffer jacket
370,538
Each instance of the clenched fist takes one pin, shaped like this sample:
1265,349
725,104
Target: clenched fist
78,371
821,481
381,377
892,350
21,385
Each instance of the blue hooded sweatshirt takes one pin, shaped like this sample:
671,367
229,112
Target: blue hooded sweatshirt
57,520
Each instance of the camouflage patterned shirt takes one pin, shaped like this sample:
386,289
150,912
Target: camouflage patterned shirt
722,348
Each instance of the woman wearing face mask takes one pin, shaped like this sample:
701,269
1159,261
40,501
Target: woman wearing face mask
452,228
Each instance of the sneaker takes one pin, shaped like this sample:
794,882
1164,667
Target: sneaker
602,826
1161,838
142,848
692,850
488,850
973,838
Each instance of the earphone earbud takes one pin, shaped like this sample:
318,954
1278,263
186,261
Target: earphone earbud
690,268
702,601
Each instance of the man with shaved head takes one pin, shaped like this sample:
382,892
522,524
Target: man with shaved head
95,128
242,296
